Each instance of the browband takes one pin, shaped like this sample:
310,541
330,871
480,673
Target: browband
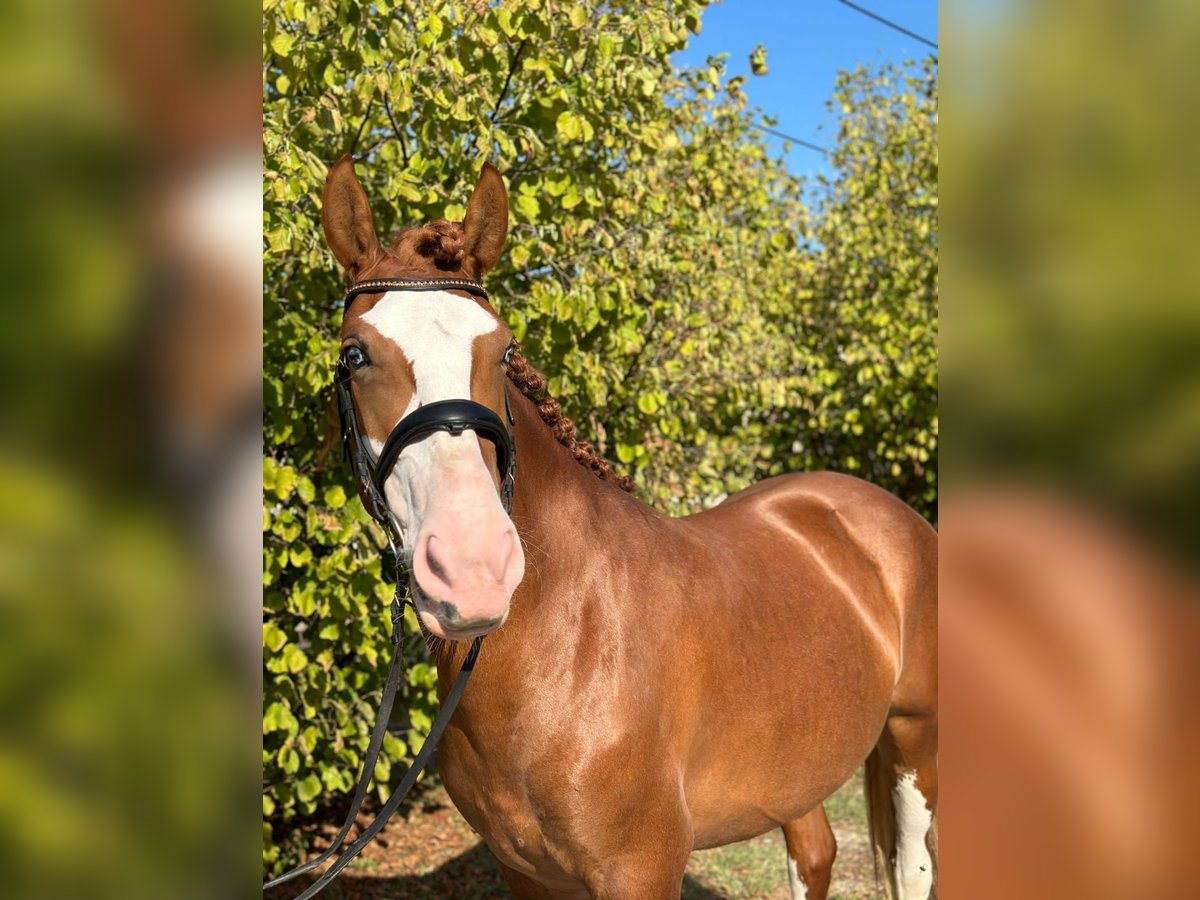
378,285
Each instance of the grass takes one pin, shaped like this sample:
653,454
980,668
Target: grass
754,868
435,854
757,868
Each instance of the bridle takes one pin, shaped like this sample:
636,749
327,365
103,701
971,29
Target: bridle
454,416
371,473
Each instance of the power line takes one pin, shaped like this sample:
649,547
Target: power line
889,23
795,140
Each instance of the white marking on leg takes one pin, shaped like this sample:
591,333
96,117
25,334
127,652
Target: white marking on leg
914,866
796,880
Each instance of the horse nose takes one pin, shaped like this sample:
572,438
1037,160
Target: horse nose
467,577
447,566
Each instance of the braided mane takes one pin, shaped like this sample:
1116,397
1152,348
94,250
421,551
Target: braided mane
532,384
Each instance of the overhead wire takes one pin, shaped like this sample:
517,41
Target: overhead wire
795,140
825,151
889,23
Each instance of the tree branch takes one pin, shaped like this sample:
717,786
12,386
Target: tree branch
387,106
362,125
512,67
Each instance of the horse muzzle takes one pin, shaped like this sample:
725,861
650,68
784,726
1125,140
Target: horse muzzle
465,572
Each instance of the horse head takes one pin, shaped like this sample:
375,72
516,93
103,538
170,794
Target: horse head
417,331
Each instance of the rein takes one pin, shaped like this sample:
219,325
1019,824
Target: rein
371,474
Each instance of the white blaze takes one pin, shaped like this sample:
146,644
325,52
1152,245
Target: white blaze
436,331
914,866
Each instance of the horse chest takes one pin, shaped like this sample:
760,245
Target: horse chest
516,809
546,796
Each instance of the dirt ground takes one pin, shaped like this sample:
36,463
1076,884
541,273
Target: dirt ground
434,853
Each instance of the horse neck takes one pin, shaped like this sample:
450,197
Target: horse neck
557,503
565,517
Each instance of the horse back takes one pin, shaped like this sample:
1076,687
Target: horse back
865,538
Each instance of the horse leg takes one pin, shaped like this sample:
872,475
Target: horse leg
811,849
642,877
525,888
902,794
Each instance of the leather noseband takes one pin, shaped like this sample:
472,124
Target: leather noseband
454,416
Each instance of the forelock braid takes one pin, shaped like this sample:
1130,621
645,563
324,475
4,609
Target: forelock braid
443,241
532,383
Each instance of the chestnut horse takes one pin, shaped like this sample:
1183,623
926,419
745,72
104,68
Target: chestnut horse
650,685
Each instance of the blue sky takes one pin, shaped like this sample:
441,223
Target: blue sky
807,42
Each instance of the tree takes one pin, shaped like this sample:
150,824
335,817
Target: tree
868,401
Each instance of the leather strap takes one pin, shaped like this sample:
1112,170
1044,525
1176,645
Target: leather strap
419,762
368,770
379,285
410,778
454,416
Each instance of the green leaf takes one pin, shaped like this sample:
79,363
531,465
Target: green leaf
758,60
383,770
569,126
294,659
308,788
285,482
306,489
571,198
335,497
273,637
289,760
279,718
283,43
504,20
530,209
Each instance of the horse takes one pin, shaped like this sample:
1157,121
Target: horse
649,685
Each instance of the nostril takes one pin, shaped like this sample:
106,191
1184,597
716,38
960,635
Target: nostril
434,562
514,563
470,569
500,561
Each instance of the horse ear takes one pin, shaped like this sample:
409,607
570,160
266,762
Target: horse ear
486,224
346,215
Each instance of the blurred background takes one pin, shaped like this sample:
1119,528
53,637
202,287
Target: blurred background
1071,373
130,446
130,468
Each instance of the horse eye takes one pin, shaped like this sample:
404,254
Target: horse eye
354,357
